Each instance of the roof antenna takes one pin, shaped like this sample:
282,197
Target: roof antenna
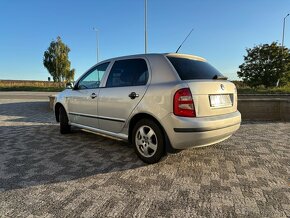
184,41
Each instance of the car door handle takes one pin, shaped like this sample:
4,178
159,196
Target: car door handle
133,95
93,95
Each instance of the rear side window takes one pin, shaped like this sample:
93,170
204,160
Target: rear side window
189,69
131,72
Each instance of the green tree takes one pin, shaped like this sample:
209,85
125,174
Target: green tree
265,64
57,62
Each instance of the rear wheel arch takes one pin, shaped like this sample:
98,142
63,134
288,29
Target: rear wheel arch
135,119
141,116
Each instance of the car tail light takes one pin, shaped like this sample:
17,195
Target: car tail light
183,104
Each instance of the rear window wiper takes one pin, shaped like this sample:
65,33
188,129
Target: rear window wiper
220,77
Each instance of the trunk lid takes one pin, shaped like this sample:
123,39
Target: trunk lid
213,97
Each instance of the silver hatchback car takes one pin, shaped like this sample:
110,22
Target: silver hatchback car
158,102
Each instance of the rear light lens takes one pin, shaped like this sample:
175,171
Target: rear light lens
183,104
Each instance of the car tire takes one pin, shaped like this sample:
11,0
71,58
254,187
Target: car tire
63,121
148,141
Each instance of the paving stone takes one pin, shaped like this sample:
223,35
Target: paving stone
46,174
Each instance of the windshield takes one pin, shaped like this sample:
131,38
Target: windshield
189,69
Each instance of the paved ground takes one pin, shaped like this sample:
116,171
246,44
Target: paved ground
43,173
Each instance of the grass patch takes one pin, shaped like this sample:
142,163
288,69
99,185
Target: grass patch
39,86
262,90
32,88
31,85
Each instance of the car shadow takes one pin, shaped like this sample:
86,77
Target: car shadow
36,153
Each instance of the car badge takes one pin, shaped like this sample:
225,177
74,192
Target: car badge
222,87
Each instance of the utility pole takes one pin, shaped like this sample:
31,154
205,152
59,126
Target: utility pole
284,30
97,40
56,56
145,25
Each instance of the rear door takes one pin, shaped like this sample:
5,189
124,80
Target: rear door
126,85
211,92
82,103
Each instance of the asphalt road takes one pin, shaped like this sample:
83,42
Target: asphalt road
25,95
43,173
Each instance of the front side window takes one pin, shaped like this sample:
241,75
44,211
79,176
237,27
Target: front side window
131,72
93,78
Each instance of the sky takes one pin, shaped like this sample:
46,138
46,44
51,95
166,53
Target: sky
223,29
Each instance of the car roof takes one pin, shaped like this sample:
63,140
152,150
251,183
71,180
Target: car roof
178,55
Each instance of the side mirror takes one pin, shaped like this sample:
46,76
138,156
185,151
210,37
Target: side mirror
69,85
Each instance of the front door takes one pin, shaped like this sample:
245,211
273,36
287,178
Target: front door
82,103
125,87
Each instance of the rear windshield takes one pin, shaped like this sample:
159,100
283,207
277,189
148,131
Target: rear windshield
189,69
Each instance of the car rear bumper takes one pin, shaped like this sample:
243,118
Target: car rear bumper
186,132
